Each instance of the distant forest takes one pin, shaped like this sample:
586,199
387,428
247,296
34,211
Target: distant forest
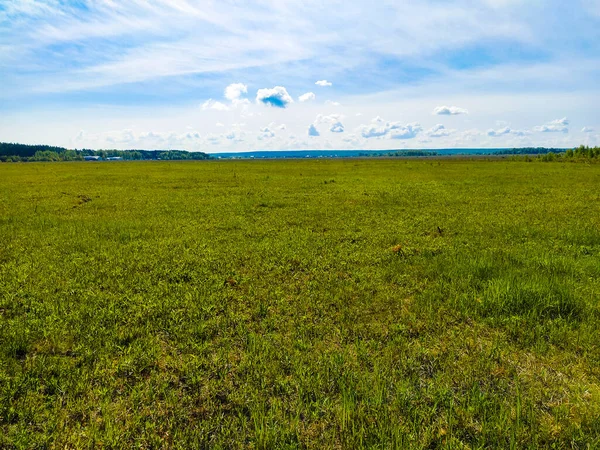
21,152
25,153
529,151
399,153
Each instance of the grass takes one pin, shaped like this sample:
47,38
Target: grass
300,304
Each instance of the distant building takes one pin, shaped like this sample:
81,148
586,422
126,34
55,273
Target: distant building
114,158
91,158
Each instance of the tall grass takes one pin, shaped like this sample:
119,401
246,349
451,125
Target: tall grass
300,304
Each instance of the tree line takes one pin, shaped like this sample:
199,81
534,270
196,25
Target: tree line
529,151
11,152
579,154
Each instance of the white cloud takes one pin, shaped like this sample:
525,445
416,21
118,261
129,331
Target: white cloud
500,132
438,131
333,120
235,136
394,130
219,124
191,135
213,104
332,103
323,83
337,127
556,126
266,133
449,111
312,131
506,131
370,131
587,130
307,97
409,131
282,127
234,91
277,97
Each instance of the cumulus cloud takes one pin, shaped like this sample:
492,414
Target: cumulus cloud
333,120
212,104
323,83
379,128
371,131
409,131
328,119
500,132
587,130
234,91
266,133
277,97
505,131
556,126
449,111
191,135
337,127
312,130
235,136
331,103
307,97
438,131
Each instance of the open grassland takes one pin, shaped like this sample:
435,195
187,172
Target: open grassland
300,304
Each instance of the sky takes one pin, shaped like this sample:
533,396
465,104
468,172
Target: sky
242,75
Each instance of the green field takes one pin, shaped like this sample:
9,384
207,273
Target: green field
300,304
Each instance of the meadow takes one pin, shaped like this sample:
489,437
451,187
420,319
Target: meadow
300,304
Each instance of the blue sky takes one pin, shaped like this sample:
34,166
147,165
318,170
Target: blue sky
273,74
